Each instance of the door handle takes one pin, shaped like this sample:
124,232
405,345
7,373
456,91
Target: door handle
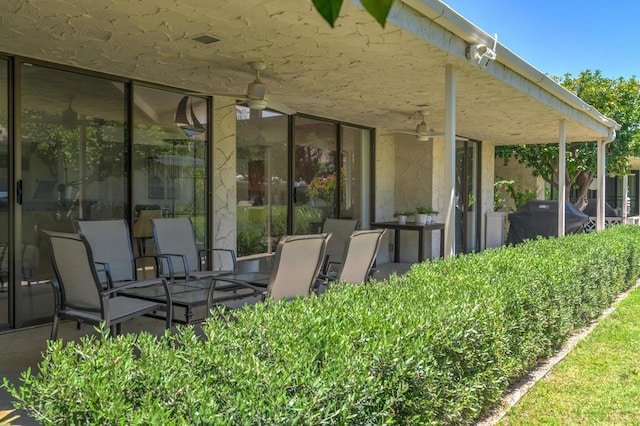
19,191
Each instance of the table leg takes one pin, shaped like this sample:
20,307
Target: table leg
396,247
442,243
188,314
420,244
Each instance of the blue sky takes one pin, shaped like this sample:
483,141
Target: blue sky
563,36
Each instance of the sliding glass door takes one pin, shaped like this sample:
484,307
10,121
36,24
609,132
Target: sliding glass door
71,166
467,217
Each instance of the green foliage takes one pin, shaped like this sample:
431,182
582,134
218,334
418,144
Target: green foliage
252,234
519,196
597,383
426,210
618,99
437,346
330,9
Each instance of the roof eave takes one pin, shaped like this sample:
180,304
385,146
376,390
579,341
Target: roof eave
452,21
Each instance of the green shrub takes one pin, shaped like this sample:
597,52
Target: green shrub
437,346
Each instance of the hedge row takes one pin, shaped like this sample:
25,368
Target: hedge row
437,346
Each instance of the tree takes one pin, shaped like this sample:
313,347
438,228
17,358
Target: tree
618,99
330,9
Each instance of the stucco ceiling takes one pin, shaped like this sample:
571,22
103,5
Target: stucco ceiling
356,72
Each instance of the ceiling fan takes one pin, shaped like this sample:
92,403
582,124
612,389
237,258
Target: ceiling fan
256,95
423,133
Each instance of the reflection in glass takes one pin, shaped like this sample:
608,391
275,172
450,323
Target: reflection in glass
169,160
354,170
466,196
314,193
73,167
261,178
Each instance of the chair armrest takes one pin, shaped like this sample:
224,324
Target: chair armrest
330,268
155,257
57,294
185,264
103,266
136,284
256,289
205,252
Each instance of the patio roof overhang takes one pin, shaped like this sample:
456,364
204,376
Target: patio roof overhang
357,72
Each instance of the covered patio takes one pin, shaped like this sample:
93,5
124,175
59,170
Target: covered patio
428,59
356,72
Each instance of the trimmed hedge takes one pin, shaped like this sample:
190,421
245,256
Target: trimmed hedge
437,346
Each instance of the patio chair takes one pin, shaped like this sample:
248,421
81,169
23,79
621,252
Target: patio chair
361,250
340,230
80,295
180,258
296,267
110,244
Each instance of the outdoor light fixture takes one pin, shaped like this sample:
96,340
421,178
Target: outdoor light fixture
186,118
481,53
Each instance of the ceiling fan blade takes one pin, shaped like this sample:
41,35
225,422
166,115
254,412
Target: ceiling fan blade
280,107
232,95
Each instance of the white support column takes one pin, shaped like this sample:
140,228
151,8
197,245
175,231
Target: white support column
601,171
450,161
562,182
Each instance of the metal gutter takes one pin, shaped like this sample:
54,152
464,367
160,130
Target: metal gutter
452,21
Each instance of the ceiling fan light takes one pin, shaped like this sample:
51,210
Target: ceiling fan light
257,103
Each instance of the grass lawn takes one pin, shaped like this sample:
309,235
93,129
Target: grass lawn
598,383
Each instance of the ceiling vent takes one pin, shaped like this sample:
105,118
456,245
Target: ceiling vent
206,39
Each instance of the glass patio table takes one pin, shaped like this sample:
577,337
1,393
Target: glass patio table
195,293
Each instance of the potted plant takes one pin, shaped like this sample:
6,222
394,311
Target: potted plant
402,217
425,215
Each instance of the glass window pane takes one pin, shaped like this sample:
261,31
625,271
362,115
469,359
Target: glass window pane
261,164
355,169
169,160
73,166
315,173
